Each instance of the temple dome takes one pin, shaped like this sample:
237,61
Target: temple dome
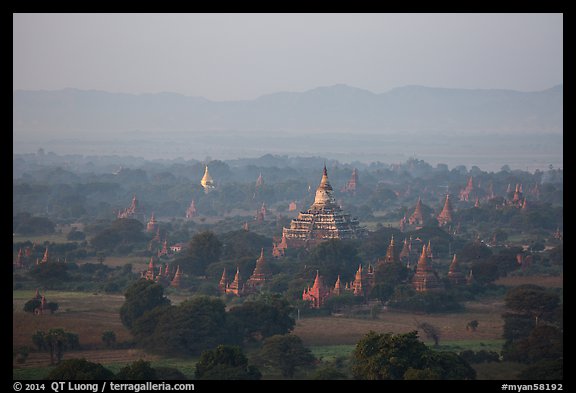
324,198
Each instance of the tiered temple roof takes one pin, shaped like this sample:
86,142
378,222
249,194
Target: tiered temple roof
517,198
151,272
352,184
318,293
391,254
260,275
279,249
406,250
425,279
177,277
223,282
445,216
455,276
324,220
235,288
467,192
417,218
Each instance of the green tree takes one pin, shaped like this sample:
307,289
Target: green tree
544,343
140,370
26,224
225,363
50,275
472,325
204,249
169,374
79,369
124,231
403,356
430,331
517,326
265,317
332,258
473,252
240,244
387,356
142,296
109,338
447,366
32,305
544,370
286,354
55,341
189,328
387,277
75,235
143,328
328,373
532,300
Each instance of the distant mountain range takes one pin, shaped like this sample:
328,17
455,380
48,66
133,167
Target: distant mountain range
337,108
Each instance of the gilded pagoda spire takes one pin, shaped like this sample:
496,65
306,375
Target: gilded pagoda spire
207,182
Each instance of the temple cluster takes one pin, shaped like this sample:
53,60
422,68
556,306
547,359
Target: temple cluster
260,276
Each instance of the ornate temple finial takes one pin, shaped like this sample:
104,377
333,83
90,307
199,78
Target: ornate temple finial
207,182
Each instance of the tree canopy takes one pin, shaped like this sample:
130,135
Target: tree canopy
142,296
403,356
78,370
286,354
225,363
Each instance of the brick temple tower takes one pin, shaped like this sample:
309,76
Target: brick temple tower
324,220
445,216
318,293
425,279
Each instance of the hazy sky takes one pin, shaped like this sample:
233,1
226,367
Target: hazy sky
243,56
